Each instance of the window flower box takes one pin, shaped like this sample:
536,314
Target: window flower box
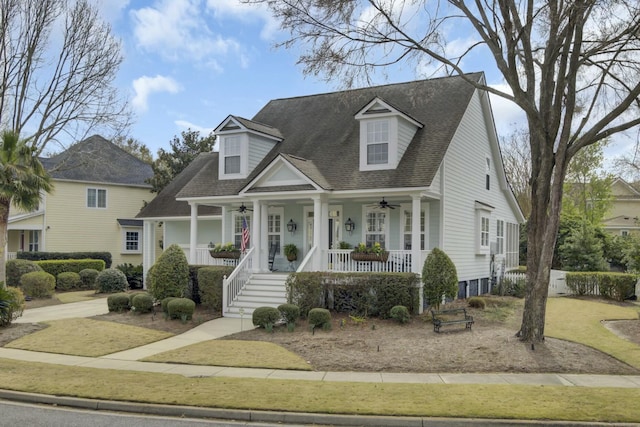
359,256
224,251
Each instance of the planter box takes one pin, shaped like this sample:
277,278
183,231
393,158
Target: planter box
229,255
359,256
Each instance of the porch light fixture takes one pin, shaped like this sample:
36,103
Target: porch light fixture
292,226
349,226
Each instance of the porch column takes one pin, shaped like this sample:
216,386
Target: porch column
255,236
416,252
317,233
264,240
148,249
193,236
224,233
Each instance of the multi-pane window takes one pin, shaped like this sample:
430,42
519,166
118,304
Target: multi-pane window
232,151
375,228
96,198
407,229
499,237
34,240
132,241
378,142
274,233
484,231
237,229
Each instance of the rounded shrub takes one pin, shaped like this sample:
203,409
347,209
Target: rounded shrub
265,317
440,278
15,268
477,302
164,304
111,280
169,276
38,284
289,312
88,278
320,318
118,302
142,303
181,308
67,281
12,304
400,313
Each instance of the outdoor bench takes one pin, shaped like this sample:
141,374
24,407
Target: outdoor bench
450,317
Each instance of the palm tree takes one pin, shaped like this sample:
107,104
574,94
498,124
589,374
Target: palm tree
22,181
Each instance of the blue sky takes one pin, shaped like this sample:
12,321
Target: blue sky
191,63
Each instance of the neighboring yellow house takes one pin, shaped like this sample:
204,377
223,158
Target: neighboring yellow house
99,190
623,215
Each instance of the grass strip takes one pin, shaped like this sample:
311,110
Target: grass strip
239,354
87,337
76,296
426,400
580,321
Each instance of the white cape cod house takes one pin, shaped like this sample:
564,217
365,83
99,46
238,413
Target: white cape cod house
411,166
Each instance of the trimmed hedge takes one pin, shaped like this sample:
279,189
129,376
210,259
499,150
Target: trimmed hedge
169,276
40,256
400,313
289,312
210,286
15,268
111,280
617,286
362,294
265,317
67,281
88,277
118,302
38,284
320,318
142,303
56,267
164,303
181,308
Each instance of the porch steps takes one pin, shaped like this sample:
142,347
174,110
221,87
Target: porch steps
262,290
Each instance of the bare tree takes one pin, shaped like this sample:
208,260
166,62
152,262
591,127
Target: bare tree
517,166
572,66
58,61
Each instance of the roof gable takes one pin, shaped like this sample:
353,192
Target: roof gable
234,124
286,172
379,108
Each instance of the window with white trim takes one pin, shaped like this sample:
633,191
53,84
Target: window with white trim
232,152
624,233
499,237
484,232
375,228
274,228
378,142
132,240
406,228
237,229
487,180
96,198
483,227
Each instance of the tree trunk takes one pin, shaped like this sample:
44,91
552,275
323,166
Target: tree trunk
4,221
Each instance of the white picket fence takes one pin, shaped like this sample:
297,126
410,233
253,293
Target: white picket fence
557,281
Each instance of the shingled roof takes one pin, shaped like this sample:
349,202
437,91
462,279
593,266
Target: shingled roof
95,159
322,130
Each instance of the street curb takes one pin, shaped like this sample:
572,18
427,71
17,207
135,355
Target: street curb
278,416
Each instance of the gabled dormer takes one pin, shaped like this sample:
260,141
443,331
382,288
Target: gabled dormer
242,145
385,134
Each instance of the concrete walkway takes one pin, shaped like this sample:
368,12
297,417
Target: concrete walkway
130,359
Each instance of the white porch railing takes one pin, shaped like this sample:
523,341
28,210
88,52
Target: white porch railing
233,285
307,262
204,258
399,261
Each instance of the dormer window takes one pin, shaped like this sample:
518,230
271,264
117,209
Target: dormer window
385,134
232,152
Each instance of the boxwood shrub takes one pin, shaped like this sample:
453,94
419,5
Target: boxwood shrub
289,312
164,304
118,302
400,313
477,302
169,276
67,281
38,284
142,303
15,268
265,317
320,318
210,286
88,277
12,303
111,280
181,308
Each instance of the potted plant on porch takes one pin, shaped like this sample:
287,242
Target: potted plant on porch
227,250
291,252
363,252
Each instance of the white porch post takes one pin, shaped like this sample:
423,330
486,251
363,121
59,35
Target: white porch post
255,236
193,236
416,252
317,233
264,240
148,249
224,235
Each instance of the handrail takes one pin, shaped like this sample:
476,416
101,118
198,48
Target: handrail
233,285
306,262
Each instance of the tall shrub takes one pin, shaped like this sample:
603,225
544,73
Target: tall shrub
440,278
170,274
17,267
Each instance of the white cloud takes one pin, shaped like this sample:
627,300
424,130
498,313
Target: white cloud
177,30
145,86
204,131
247,13
506,114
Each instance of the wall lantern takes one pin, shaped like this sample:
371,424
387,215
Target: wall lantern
349,226
291,226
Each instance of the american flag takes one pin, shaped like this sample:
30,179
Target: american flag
244,242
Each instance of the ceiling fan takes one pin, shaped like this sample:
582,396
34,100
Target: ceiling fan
243,209
383,204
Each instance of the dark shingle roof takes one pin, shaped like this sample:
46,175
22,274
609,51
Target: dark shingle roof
259,127
97,160
322,130
165,203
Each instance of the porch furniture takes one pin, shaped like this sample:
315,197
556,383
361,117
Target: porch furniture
273,250
450,317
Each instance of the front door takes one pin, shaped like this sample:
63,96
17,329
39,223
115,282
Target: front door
334,227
